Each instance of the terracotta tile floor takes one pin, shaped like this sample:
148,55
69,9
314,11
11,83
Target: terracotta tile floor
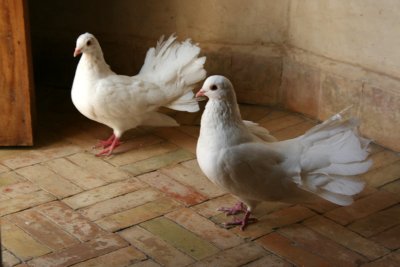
150,205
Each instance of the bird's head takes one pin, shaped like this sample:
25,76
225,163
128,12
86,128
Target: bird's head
86,43
217,87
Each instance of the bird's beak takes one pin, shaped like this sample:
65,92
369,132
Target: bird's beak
200,93
77,52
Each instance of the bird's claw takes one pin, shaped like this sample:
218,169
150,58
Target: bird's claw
238,208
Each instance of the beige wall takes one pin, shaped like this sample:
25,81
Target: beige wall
342,53
314,57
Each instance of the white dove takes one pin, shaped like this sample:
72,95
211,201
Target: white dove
167,78
322,162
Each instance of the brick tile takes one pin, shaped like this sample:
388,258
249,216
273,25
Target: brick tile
282,122
134,140
272,115
58,150
393,187
293,131
70,221
102,193
49,181
180,238
318,244
3,168
383,158
269,222
99,167
210,207
380,176
382,263
321,205
191,178
146,263
24,201
390,238
178,138
253,112
236,256
291,251
270,261
17,189
80,252
363,207
192,165
158,162
120,203
172,188
9,259
20,243
192,131
42,229
142,153
346,237
23,159
377,222
205,229
155,247
75,173
118,258
138,214
9,178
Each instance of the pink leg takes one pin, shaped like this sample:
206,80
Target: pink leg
109,149
243,222
105,143
238,208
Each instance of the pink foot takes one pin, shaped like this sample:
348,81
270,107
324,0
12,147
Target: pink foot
238,208
109,148
105,143
242,222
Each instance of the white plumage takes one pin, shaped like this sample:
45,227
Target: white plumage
167,78
322,162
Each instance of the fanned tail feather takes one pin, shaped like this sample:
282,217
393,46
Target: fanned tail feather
176,67
333,154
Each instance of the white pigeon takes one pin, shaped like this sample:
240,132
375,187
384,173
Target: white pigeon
322,162
169,74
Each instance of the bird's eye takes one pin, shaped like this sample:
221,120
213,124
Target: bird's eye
213,87
88,43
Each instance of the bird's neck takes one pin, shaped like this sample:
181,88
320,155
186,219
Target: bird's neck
222,125
94,65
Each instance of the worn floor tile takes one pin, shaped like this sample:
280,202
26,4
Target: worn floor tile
118,258
157,147
14,190
24,201
202,227
179,138
381,176
10,177
390,238
20,243
291,251
70,221
270,261
191,178
120,203
236,256
158,162
9,259
43,229
99,167
75,173
49,181
138,214
377,222
184,194
363,207
80,252
155,247
180,238
102,193
346,238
